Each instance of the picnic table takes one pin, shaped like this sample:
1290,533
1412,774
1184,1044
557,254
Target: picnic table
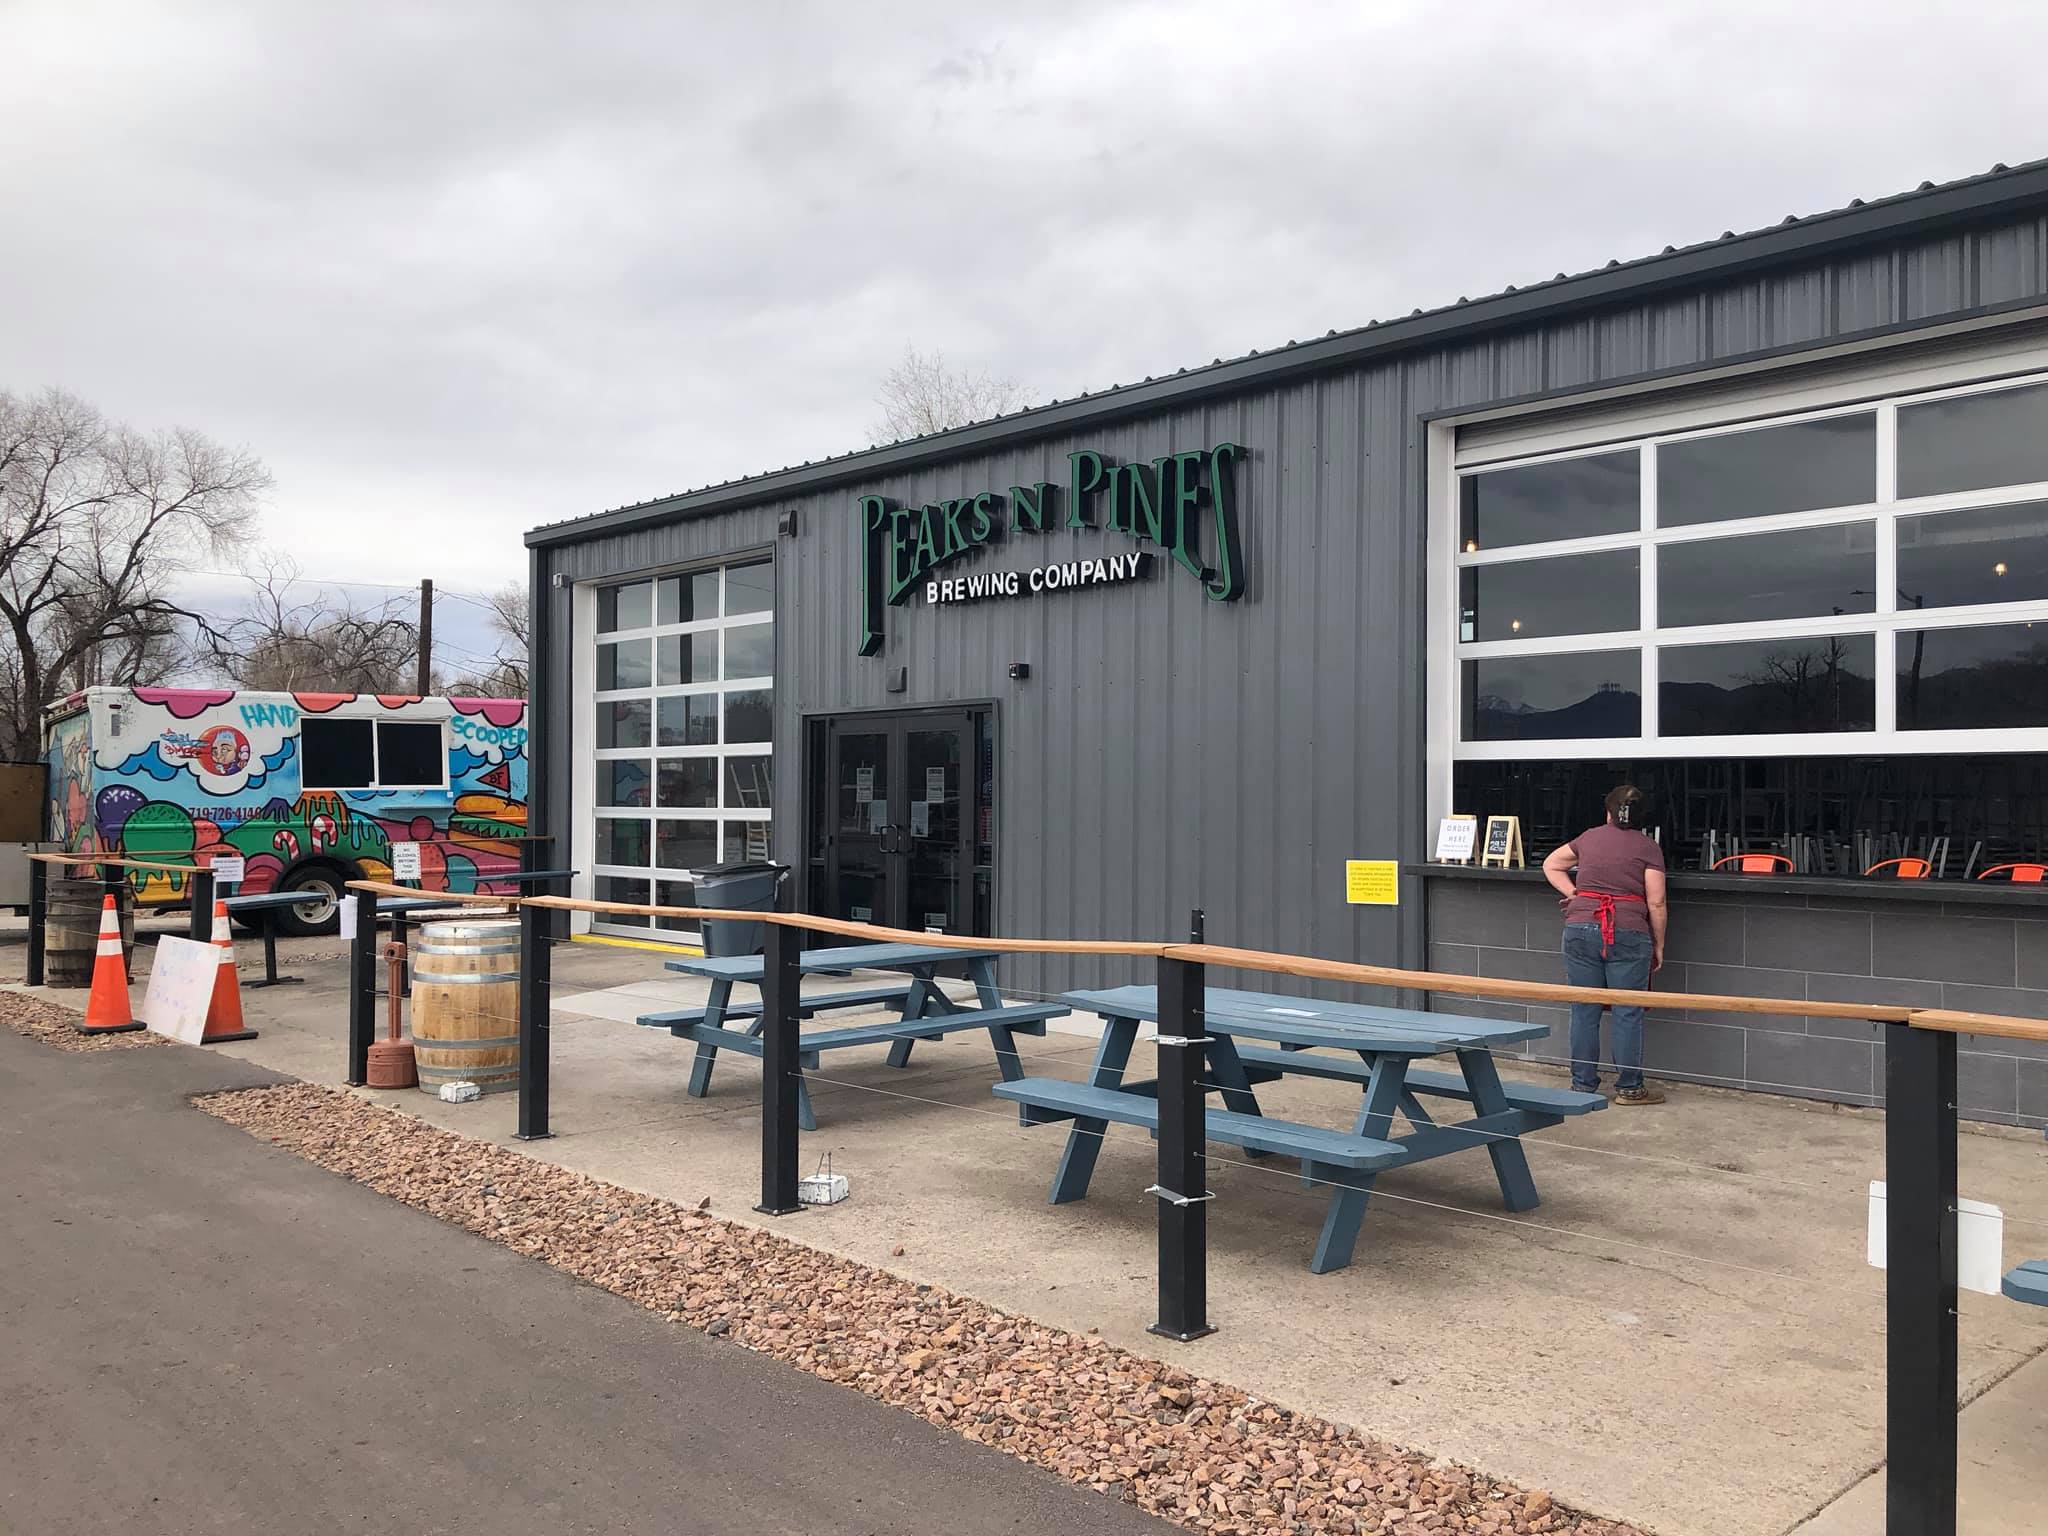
1380,1047
923,1011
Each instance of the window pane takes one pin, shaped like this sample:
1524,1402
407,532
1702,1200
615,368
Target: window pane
1793,468
1984,555
688,658
625,607
686,783
686,599
1974,441
1565,499
410,752
750,651
622,723
1768,686
622,840
1799,574
750,588
336,753
1984,677
623,665
616,888
1570,595
1527,698
675,893
749,783
749,715
689,720
623,782
687,844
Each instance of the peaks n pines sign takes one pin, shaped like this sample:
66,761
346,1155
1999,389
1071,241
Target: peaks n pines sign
1184,503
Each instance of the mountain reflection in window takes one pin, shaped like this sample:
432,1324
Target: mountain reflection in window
1981,677
1549,698
1768,687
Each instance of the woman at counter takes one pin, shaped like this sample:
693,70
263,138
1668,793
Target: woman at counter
1610,880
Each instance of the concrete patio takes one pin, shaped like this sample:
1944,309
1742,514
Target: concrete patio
1684,1335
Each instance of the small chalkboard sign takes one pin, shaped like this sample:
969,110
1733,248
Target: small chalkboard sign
1503,846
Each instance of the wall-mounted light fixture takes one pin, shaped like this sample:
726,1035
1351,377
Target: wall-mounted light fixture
1019,670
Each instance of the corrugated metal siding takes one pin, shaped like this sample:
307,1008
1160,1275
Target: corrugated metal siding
1169,752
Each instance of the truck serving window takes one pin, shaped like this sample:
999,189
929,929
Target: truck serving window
366,754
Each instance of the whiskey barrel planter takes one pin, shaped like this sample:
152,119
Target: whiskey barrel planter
71,931
465,1005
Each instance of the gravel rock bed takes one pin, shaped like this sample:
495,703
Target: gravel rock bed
1197,1452
56,1026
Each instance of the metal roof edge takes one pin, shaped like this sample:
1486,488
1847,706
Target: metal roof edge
1967,200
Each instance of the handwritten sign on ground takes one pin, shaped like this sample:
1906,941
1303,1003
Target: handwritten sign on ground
181,979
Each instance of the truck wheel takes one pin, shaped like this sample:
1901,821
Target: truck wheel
320,912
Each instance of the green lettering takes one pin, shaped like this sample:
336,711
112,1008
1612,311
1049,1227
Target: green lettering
1031,509
901,572
1145,517
1118,518
1185,503
984,517
874,517
1226,582
956,540
1080,486
927,542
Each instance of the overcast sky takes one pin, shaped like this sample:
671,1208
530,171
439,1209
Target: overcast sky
454,270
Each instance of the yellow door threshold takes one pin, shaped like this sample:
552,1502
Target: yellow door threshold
652,944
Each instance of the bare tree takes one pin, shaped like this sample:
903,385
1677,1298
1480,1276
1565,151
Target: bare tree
503,674
97,520
299,637
921,395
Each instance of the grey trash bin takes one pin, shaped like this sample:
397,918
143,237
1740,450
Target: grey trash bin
746,885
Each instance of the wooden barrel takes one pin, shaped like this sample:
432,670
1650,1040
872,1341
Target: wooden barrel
71,932
465,1005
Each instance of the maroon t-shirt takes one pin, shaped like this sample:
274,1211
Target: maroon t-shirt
1612,860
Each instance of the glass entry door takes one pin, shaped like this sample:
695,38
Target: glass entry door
901,811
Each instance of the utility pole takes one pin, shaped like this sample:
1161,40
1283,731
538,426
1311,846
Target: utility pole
426,638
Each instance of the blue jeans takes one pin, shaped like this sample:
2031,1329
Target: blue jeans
1626,964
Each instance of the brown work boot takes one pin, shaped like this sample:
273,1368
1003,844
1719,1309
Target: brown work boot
1635,1096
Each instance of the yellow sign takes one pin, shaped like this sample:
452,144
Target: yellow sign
1372,882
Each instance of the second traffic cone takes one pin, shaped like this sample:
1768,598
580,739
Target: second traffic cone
106,1007
224,1014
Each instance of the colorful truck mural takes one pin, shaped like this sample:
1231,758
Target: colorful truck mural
310,789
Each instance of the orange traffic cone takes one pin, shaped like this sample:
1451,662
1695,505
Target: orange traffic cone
106,1007
224,1013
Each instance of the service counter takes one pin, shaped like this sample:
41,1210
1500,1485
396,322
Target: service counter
1934,944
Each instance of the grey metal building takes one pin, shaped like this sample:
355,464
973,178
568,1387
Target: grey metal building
1760,523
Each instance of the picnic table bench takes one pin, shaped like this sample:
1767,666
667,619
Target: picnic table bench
1381,1045
923,1010
2028,1283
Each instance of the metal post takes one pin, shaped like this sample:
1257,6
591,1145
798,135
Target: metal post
38,915
536,986
1182,1190
781,983
199,925
1197,927
1920,1284
362,989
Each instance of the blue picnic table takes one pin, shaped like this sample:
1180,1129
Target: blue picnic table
1379,1047
923,1011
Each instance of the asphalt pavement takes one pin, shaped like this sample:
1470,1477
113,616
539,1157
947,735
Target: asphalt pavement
200,1332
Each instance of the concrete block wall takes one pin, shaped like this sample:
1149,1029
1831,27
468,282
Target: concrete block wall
1795,946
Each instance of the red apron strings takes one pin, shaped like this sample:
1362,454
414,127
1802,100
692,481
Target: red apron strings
1603,911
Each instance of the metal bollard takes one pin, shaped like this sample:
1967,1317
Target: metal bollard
1920,1281
199,925
38,918
536,978
1182,1190
781,983
362,989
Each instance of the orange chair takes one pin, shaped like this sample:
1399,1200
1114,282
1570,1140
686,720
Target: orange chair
1756,863
2024,873
1901,869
